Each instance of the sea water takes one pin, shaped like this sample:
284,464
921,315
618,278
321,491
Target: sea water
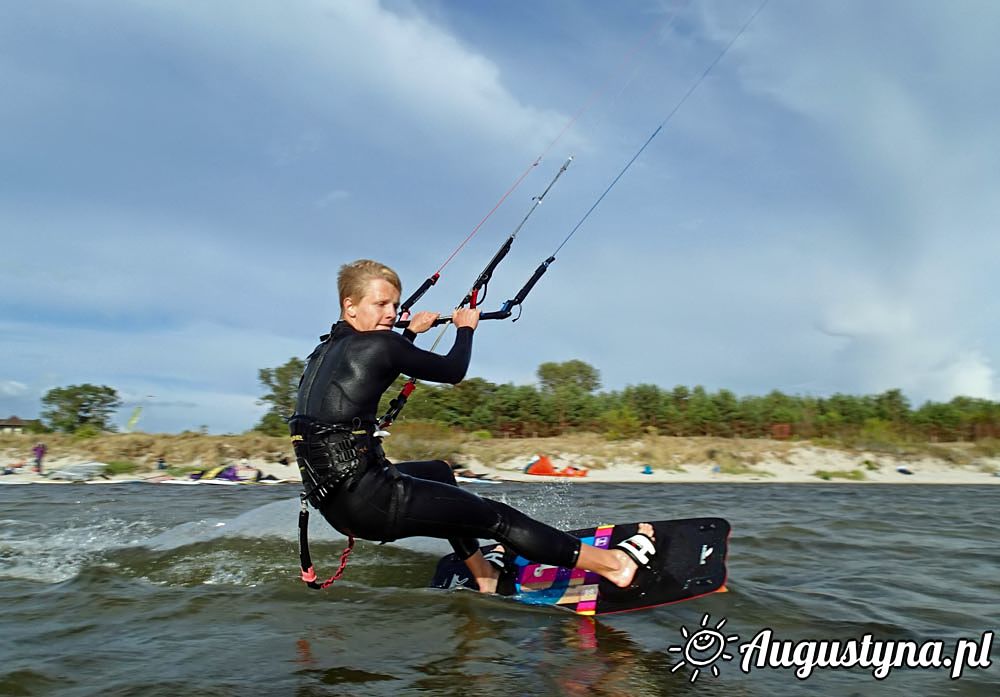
143,589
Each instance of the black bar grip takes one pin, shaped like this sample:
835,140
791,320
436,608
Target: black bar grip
487,273
418,293
497,314
523,293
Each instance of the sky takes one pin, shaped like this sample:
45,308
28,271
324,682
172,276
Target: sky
180,183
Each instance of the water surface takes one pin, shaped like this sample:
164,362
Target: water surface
139,589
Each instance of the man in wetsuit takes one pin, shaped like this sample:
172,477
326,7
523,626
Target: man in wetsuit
345,472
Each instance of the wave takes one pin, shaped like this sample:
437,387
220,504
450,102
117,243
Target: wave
250,548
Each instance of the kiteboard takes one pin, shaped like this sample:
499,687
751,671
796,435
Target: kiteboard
689,561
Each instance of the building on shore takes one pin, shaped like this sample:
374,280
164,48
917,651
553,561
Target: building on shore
14,424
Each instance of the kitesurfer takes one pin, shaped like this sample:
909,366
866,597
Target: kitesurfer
346,474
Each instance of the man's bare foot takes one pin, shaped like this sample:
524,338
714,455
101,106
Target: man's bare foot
486,574
622,576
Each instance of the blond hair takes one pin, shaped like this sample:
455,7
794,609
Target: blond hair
353,278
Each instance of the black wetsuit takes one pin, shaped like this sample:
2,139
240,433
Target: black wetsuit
344,378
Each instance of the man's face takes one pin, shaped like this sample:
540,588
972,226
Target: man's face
376,310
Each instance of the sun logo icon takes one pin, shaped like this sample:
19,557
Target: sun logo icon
703,648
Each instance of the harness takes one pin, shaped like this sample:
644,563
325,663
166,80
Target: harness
328,457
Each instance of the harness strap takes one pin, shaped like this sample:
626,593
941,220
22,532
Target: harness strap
305,560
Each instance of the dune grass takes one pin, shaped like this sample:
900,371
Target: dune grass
417,440
850,475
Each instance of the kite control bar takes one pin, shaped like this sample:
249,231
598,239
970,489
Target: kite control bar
506,310
499,314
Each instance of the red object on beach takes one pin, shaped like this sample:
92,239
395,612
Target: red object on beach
543,466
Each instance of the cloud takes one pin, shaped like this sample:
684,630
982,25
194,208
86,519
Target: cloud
401,73
969,374
892,136
333,197
12,388
821,212
866,312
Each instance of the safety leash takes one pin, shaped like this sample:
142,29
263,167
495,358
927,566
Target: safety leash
305,560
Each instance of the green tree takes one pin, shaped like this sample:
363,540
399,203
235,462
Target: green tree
940,421
854,410
702,416
892,406
532,411
469,400
644,402
575,373
70,408
779,408
680,396
727,407
566,390
669,417
829,422
753,417
282,384
621,423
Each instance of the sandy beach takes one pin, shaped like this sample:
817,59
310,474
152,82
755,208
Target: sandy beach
837,468
757,462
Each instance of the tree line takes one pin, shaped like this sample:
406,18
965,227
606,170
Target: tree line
568,397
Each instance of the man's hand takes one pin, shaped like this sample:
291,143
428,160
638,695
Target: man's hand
465,318
420,322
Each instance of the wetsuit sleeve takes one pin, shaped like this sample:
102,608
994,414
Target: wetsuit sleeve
425,365
409,336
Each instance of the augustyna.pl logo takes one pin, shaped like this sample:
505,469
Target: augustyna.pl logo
707,646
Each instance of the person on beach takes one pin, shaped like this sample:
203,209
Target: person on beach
360,493
39,451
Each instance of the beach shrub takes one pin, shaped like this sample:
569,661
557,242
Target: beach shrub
422,440
182,471
86,432
953,455
871,466
622,423
731,464
987,447
120,467
850,475
880,435
652,452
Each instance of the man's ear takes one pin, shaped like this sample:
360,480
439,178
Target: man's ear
349,308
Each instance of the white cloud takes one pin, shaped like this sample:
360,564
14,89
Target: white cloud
332,197
869,316
366,65
12,388
970,374
821,212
